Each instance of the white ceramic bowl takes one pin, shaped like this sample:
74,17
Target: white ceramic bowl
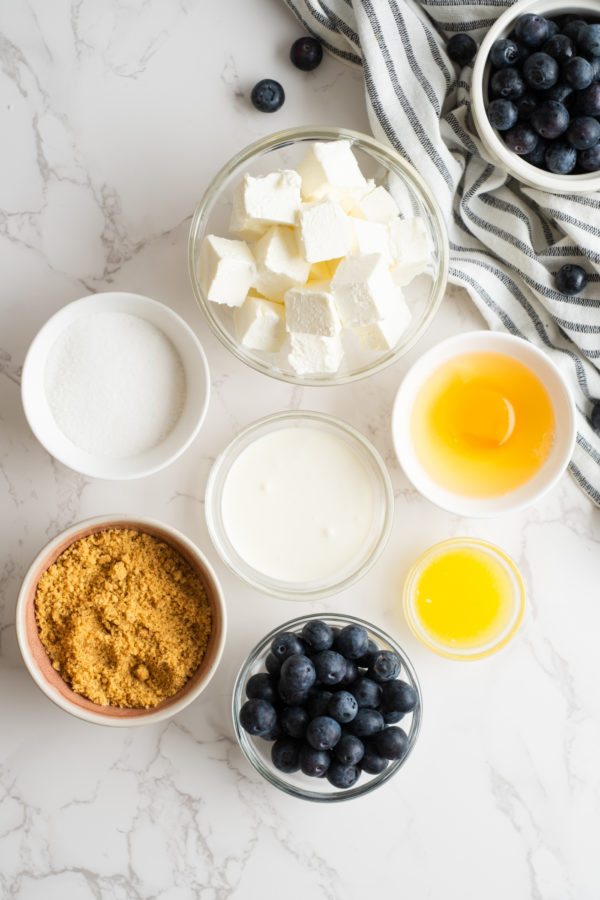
38,662
495,146
564,416
40,416
380,524
284,150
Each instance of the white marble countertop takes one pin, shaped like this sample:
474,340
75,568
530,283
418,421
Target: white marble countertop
114,117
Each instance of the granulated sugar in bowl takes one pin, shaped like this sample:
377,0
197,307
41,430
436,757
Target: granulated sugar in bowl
115,385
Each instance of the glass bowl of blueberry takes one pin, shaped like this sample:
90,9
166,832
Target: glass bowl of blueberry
327,707
536,94
318,255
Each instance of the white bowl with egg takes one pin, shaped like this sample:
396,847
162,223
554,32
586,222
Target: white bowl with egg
379,207
115,385
299,505
555,389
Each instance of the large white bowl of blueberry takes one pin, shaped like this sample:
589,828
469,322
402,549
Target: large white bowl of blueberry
327,707
536,94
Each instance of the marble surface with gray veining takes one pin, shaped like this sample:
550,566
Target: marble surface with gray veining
114,116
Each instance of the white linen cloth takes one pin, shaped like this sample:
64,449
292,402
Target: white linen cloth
506,240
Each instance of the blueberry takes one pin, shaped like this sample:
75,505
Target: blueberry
561,91
262,686
285,755
372,647
532,30
342,707
502,114
595,63
552,27
461,49
367,722
290,696
267,95
350,675
504,53
572,29
306,53
589,160
342,776
550,119
560,158
398,695
272,664
272,734
579,73
570,279
349,749
392,742
385,666
286,644
584,132
313,762
317,702
373,762
294,721
297,673
352,641
318,635
323,733
367,692
588,101
507,83
258,716
588,40
540,71
521,139
525,106
559,47
330,666
392,716
595,420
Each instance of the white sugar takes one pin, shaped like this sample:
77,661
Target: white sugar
115,384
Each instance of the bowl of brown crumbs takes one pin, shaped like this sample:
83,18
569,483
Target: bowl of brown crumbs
121,621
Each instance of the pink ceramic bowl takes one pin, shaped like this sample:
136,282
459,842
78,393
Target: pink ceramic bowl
37,660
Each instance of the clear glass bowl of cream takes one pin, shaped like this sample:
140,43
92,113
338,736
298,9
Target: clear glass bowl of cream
299,505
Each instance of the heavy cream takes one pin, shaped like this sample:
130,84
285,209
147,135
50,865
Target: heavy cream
298,505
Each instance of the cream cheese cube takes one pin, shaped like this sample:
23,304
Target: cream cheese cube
241,225
376,206
385,334
272,199
226,270
312,353
280,267
260,323
370,237
311,310
363,289
330,169
411,248
324,231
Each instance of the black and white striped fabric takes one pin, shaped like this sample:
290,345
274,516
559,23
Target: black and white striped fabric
505,240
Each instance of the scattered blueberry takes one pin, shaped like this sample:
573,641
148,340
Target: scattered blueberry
349,749
570,279
317,634
285,754
258,716
540,71
589,160
267,95
504,53
502,114
342,776
323,733
306,53
560,158
594,418
532,30
578,72
521,139
584,132
550,119
461,49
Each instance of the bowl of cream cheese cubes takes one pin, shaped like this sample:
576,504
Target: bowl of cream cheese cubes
318,255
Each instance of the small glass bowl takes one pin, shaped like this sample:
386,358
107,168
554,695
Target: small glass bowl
258,751
285,150
517,600
383,506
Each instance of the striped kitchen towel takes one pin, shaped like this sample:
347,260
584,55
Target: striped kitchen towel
506,240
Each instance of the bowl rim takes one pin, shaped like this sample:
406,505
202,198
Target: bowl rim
335,794
478,341
129,303
519,599
26,596
226,458
317,133
516,166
